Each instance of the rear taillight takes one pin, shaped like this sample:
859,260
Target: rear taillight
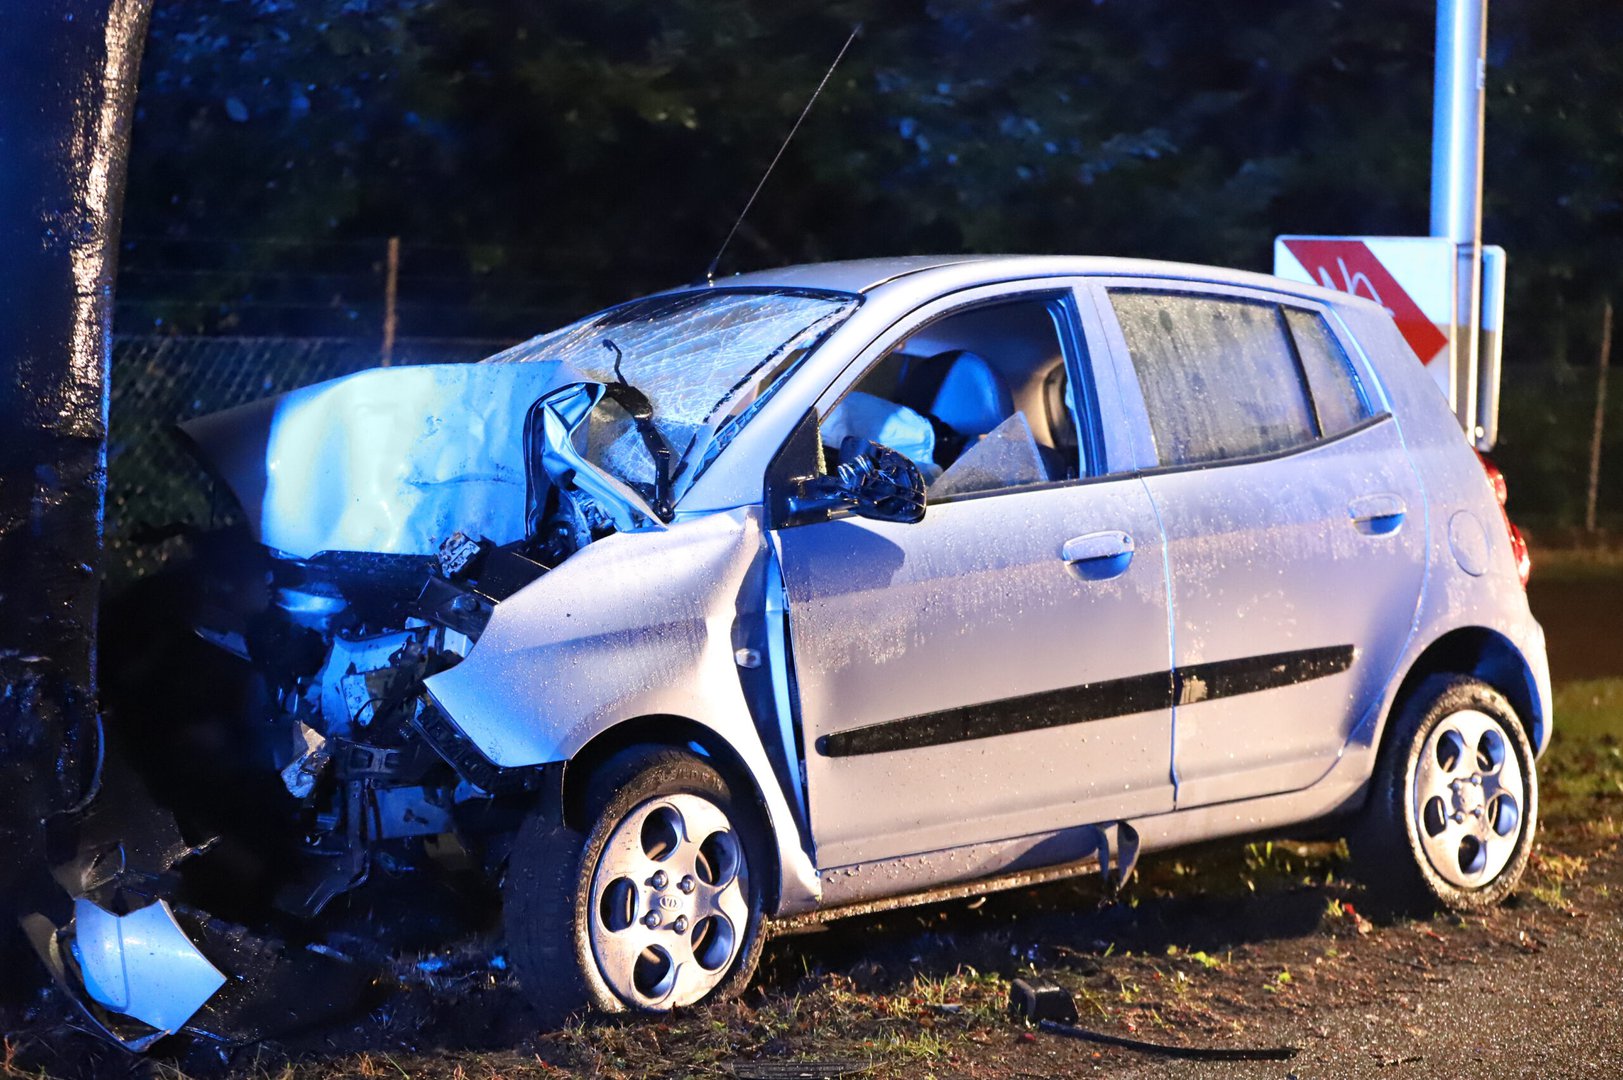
1518,543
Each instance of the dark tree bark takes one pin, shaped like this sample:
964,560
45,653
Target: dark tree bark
67,89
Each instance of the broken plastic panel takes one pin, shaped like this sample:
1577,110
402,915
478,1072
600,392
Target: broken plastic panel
142,965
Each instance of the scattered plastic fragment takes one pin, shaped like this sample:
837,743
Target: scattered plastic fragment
796,1070
142,964
1041,1001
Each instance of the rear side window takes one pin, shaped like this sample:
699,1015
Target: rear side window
1329,374
1220,376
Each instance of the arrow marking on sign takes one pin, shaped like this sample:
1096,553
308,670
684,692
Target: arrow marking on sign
1349,266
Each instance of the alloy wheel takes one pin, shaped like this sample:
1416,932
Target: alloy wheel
669,902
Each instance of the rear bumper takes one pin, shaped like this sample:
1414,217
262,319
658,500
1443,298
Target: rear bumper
1538,664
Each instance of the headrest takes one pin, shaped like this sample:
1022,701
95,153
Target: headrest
973,398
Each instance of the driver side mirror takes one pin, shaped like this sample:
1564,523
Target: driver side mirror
871,481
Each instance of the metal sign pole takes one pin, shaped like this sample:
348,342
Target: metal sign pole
1456,185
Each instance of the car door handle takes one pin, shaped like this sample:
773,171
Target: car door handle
1377,514
1100,555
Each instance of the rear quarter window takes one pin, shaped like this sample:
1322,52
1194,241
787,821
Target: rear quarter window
1336,393
1220,376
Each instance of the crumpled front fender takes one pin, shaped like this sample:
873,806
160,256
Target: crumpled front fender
634,625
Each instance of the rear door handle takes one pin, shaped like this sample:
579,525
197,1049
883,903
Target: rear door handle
1377,514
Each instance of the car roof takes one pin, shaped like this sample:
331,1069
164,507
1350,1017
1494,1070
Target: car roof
925,272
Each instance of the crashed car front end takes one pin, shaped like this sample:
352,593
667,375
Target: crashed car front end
392,518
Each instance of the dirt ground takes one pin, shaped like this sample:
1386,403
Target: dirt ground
1231,945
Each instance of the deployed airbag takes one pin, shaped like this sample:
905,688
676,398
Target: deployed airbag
390,460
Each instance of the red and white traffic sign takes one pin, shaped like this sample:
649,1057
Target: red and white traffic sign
1413,278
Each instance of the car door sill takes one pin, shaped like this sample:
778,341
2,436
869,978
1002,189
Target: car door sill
955,873
1018,879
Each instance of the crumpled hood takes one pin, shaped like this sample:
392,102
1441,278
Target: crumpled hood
390,460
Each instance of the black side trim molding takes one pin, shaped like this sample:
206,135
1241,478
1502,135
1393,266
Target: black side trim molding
1092,701
1230,678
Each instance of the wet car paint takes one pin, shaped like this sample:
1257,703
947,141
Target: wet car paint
683,630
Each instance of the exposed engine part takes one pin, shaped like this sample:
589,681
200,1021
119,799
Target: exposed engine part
506,570
413,811
456,553
455,606
361,780
301,774
366,680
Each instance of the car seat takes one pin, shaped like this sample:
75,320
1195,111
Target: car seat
963,390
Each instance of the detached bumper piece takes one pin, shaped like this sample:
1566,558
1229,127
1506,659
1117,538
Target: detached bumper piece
142,964
158,970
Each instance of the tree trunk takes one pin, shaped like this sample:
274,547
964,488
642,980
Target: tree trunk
1600,419
67,87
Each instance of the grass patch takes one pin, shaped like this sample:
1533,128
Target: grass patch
1590,709
1577,563
1584,765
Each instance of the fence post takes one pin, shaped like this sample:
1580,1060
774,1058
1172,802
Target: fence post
391,294
1600,417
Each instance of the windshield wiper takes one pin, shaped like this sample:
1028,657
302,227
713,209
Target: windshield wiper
641,411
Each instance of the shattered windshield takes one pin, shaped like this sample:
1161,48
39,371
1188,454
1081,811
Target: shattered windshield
705,361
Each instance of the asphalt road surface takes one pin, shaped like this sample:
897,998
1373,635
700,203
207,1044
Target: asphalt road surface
1547,1005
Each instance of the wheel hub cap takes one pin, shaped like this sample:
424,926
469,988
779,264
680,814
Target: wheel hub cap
669,902
1468,799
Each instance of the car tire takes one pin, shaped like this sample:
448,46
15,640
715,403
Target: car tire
1453,803
660,905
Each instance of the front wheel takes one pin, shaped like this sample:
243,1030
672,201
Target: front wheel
659,906
1454,800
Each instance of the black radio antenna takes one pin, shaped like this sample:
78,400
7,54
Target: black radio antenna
710,272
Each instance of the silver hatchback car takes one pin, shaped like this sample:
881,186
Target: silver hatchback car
840,587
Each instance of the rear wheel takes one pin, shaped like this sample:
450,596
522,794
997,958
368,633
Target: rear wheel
659,906
1453,803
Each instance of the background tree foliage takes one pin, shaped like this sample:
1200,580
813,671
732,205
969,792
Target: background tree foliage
541,160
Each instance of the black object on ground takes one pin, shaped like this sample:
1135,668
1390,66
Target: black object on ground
1041,1001
1054,1010
1199,1053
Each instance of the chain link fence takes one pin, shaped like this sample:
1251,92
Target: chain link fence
155,488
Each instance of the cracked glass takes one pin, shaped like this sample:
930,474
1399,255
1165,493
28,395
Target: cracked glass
706,361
